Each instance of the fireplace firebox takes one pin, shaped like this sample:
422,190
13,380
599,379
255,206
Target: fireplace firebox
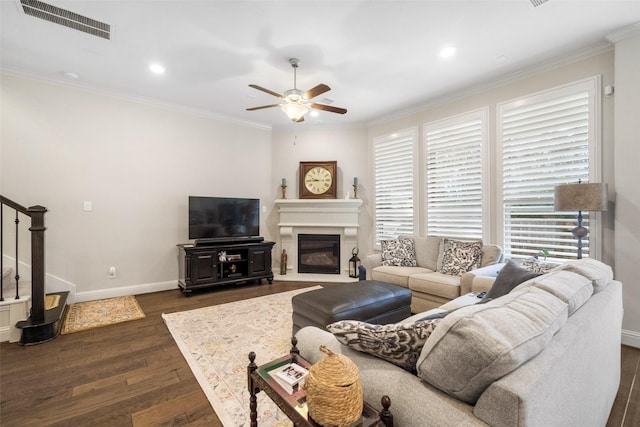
319,253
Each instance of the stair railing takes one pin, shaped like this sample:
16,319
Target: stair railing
37,229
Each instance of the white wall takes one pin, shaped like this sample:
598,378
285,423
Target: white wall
136,163
627,190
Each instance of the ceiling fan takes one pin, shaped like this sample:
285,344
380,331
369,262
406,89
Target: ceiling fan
296,103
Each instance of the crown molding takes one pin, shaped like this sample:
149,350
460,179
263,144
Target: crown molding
150,102
520,74
624,33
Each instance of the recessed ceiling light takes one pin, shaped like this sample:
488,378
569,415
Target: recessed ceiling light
156,68
447,52
71,75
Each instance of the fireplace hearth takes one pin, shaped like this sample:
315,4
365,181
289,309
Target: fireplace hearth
319,253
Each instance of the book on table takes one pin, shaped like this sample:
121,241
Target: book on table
290,376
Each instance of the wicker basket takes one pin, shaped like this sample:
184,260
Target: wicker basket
334,391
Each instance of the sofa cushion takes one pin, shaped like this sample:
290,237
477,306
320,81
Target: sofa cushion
599,273
396,275
427,250
510,276
398,252
476,345
442,285
491,254
459,257
572,288
398,343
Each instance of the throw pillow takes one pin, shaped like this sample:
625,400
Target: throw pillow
459,257
399,252
538,266
511,275
398,343
473,347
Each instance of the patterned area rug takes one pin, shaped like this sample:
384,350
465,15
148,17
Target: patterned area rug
87,315
216,340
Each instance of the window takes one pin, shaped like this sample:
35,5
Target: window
546,140
394,185
454,176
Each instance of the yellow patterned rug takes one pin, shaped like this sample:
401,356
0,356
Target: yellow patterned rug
87,315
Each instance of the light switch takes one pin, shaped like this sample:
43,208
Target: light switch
87,206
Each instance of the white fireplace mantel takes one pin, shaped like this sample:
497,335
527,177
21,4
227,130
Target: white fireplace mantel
318,216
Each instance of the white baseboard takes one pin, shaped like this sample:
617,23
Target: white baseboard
144,288
631,338
57,284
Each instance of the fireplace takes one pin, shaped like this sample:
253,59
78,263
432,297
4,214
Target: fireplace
326,217
319,253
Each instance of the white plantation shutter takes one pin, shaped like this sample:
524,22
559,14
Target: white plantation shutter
454,177
394,192
545,142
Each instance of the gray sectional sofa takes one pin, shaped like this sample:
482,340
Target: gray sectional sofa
429,287
546,354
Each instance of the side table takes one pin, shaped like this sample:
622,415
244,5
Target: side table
294,405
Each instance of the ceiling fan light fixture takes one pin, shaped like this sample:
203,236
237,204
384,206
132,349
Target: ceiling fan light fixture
294,110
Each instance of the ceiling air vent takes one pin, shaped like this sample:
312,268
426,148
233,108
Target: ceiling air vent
67,18
537,3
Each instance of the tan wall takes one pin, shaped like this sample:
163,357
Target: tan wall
627,177
347,146
600,64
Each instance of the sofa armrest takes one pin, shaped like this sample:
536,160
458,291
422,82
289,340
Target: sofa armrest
480,279
370,262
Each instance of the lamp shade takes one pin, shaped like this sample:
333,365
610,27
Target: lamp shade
581,197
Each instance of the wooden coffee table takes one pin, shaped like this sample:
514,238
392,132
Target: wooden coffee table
295,405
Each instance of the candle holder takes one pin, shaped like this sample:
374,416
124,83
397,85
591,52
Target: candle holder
283,188
355,191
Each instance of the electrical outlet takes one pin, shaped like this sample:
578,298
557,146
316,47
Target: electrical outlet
112,273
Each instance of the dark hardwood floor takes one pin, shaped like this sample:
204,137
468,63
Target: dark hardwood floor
133,374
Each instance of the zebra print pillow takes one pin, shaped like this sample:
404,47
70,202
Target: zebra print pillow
399,252
460,257
398,343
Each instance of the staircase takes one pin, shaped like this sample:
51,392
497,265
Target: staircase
33,320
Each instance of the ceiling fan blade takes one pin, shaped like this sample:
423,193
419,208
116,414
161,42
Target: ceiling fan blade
262,106
318,90
328,108
270,92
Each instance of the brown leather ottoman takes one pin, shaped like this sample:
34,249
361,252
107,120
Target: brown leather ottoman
367,300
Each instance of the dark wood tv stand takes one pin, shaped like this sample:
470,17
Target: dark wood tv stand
210,263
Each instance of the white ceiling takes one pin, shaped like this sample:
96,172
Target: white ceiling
378,57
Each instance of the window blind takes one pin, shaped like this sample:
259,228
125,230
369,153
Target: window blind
454,177
394,194
545,142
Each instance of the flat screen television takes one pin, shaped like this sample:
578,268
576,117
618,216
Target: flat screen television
223,217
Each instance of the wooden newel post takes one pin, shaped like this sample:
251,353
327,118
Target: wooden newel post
37,260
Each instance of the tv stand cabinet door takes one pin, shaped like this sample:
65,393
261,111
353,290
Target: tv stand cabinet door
260,261
204,266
